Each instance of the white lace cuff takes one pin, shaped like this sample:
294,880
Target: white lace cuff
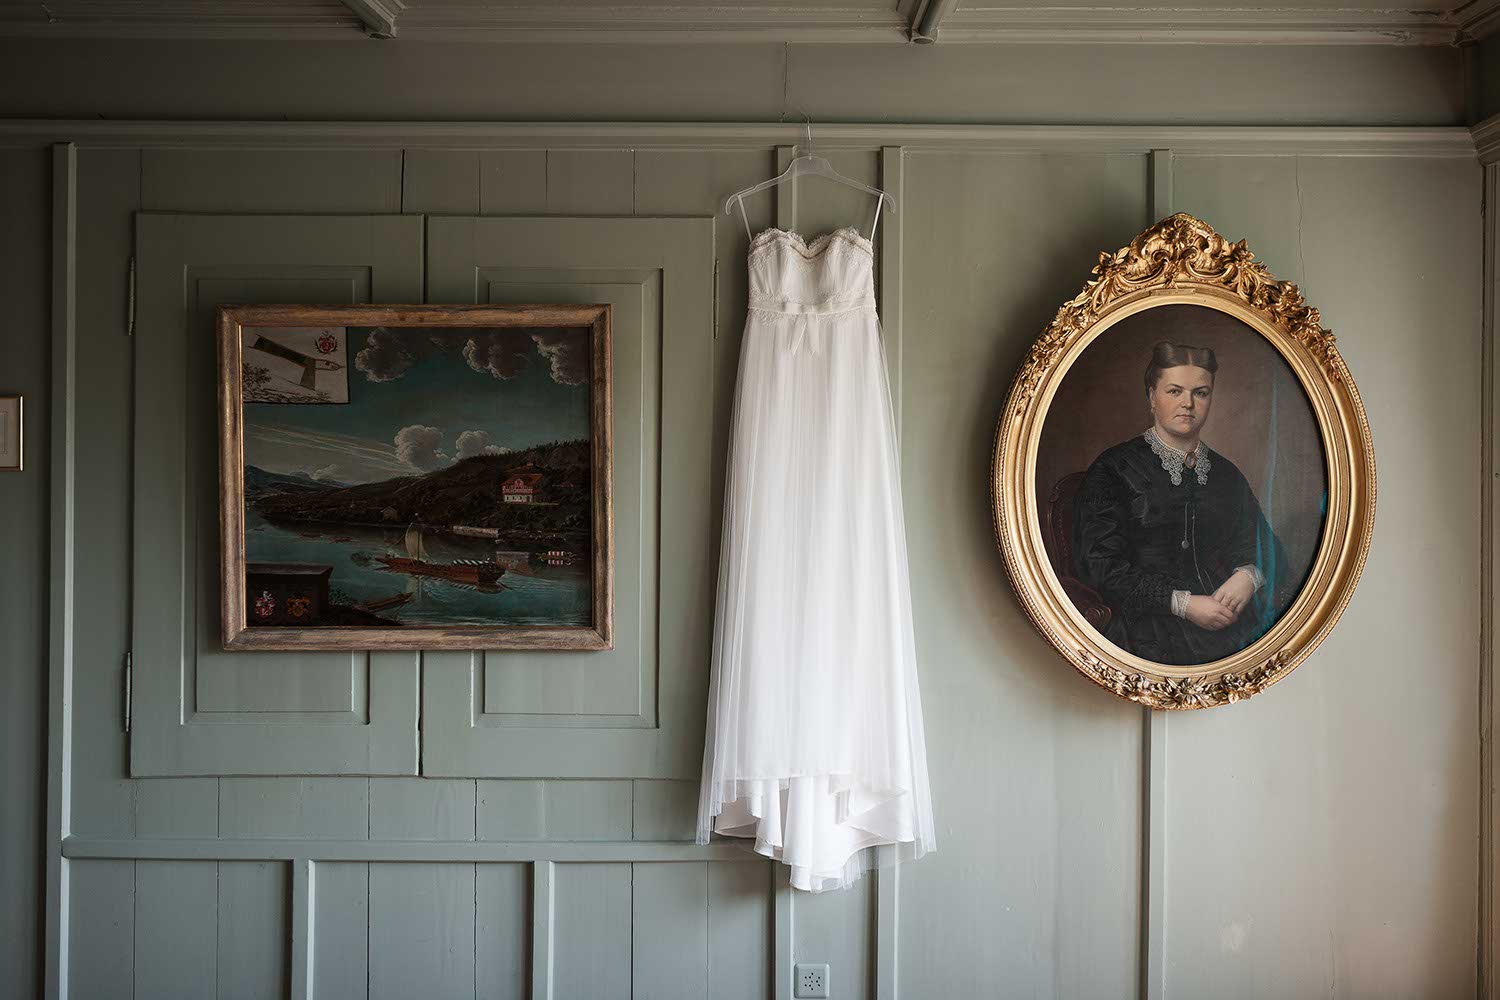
1255,574
1179,603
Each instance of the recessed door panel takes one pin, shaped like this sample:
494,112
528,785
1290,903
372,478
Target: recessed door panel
636,710
197,708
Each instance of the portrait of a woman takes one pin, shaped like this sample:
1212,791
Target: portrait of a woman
1169,533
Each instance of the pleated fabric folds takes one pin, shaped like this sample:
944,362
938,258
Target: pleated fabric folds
814,746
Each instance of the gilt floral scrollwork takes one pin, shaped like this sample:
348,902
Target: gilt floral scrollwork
1178,251
1182,259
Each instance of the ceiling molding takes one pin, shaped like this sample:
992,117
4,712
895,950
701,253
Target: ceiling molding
378,16
1486,137
896,22
1478,19
1261,26
1135,139
179,18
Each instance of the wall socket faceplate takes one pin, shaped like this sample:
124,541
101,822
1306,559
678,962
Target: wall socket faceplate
811,981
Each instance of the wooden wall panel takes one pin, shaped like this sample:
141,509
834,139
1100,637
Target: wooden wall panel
1314,876
592,927
103,799
294,807
341,926
176,929
554,810
1037,880
101,933
253,911
502,932
590,182
669,906
739,929
259,180
1036,774
421,931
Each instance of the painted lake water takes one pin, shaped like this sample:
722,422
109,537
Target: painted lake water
529,593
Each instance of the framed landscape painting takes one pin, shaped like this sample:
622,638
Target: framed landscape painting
415,477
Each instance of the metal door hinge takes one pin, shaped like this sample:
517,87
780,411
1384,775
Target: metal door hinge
130,302
716,298
128,665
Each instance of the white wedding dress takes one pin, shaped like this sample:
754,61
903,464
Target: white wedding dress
814,745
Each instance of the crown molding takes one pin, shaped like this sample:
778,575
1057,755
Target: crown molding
378,16
1478,19
891,23
1486,137
1140,139
1164,25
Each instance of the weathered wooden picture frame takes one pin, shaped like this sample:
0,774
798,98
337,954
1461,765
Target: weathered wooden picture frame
484,521
1098,470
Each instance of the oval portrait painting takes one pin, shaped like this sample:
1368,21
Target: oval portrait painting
1182,484
1183,477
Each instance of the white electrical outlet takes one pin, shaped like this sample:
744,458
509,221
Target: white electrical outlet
811,982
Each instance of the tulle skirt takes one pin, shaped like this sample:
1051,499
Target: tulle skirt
814,745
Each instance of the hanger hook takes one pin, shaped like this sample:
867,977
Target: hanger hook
807,130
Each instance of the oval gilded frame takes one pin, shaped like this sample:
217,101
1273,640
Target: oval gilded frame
1183,260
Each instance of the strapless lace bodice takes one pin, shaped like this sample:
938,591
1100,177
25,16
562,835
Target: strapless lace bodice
832,273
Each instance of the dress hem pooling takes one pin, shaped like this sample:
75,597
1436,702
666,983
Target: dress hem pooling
814,751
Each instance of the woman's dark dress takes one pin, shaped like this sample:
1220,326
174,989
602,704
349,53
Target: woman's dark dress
1129,524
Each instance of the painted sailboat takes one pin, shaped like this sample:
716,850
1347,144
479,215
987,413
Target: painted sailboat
416,562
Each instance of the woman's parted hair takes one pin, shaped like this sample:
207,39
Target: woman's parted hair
1168,355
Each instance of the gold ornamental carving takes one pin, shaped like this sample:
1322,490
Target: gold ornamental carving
1183,260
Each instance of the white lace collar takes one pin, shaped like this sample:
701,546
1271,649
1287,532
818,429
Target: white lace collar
1173,460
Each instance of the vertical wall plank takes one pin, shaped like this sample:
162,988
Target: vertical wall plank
304,910
740,953
543,929
1489,929
838,928
502,914
108,195
783,931
101,930
421,931
1301,779
61,540
591,926
339,944
887,926
253,933
176,929
669,951
1037,881
1154,872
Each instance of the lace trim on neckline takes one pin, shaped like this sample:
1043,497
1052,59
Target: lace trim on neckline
810,251
1174,461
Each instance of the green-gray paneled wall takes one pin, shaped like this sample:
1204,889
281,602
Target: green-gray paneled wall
1321,839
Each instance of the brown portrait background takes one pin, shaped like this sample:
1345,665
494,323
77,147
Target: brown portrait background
1261,420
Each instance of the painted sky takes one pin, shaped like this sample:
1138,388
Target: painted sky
421,399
